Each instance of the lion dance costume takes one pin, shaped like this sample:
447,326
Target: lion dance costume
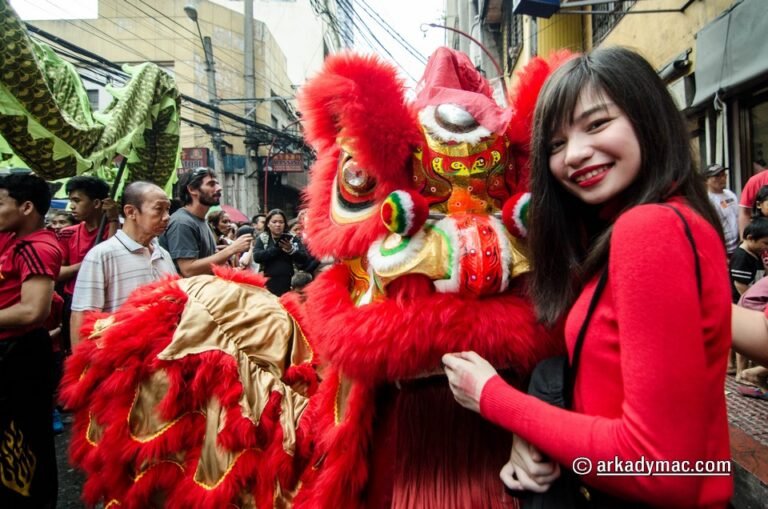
209,392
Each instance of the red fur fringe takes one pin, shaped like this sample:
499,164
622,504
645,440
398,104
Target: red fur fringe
367,344
529,81
361,99
338,470
100,383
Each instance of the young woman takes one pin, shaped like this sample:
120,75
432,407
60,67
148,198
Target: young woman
276,252
611,170
221,227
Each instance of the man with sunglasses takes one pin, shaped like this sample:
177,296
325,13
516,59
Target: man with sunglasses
188,238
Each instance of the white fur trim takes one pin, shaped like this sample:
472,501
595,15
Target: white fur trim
381,262
517,214
506,252
406,202
430,125
448,227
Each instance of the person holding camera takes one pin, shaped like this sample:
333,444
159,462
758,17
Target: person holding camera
276,252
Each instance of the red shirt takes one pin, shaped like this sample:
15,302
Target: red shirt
753,185
651,376
37,254
75,242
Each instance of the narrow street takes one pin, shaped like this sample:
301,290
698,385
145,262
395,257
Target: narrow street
70,480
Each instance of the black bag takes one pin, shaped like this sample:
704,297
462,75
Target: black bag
552,380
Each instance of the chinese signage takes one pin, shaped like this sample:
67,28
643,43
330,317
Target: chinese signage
193,158
286,163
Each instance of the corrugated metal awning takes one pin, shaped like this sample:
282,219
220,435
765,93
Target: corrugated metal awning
732,51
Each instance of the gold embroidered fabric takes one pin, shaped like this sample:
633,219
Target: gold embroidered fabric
520,263
248,323
215,462
144,422
432,260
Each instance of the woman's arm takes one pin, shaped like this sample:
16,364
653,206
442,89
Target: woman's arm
750,334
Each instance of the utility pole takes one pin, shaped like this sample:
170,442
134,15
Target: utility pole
213,98
251,147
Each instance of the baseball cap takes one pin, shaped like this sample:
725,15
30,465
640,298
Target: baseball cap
713,169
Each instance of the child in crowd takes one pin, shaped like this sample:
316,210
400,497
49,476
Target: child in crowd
746,265
760,208
60,219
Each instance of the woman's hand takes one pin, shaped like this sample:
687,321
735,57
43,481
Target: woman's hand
528,469
285,245
467,374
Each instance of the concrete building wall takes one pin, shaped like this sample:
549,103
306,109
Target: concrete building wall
165,35
659,37
298,30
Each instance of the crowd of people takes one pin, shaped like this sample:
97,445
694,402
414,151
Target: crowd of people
53,272
610,177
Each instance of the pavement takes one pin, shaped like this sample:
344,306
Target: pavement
70,480
748,422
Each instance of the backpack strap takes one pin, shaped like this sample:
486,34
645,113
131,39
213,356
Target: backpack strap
570,375
689,234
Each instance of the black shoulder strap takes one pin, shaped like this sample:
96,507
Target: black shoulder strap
573,367
689,234
571,370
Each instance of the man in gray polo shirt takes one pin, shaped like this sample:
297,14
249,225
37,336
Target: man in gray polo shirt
188,237
131,258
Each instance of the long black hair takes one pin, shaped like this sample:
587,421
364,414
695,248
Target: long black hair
272,213
760,197
568,242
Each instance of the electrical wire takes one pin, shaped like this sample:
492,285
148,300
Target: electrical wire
258,127
333,22
349,10
233,65
391,31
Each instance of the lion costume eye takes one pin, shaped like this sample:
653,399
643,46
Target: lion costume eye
355,179
353,192
355,184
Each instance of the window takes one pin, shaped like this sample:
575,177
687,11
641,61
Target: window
605,16
93,98
757,115
534,38
513,39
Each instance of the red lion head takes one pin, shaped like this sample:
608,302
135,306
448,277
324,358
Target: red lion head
420,202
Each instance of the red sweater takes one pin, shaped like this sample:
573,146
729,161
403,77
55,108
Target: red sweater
651,376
